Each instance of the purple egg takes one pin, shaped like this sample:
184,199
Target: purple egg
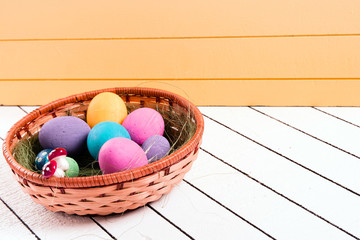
156,147
65,132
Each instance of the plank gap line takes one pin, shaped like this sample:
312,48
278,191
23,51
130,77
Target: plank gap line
281,195
168,220
339,118
185,37
222,205
285,157
104,229
308,134
37,237
23,109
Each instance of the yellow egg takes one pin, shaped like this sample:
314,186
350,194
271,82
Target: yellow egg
106,106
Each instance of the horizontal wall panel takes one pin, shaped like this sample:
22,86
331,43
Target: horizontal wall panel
264,58
201,92
38,19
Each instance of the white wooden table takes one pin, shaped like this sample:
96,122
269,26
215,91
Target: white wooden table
262,173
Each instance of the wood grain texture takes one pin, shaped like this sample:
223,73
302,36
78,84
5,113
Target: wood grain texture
293,145
257,204
203,211
140,224
346,136
348,114
12,228
269,168
142,19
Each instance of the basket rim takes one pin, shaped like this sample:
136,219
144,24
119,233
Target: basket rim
107,179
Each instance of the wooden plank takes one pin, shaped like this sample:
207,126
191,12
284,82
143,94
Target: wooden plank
349,114
201,92
140,18
259,205
327,128
298,147
142,223
309,190
201,217
275,58
9,116
29,109
11,227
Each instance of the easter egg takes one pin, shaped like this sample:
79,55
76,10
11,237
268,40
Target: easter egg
42,158
103,132
106,106
120,154
73,170
144,123
156,147
66,132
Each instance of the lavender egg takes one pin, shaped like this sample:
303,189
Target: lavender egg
156,147
65,132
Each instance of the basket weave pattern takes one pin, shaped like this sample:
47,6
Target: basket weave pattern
110,193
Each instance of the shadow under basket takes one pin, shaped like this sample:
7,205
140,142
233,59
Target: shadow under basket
116,192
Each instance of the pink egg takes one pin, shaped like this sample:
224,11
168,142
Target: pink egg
120,154
144,123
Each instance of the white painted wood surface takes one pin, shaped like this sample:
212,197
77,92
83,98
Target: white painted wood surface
262,173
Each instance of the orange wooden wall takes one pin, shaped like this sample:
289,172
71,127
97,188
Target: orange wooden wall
229,52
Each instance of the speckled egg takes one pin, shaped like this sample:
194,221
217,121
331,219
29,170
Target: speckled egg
103,132
156,147
66,132
120,154
106,106
144,123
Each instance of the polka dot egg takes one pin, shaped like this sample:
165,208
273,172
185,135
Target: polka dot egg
42,158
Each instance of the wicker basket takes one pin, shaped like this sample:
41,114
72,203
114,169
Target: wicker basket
111,193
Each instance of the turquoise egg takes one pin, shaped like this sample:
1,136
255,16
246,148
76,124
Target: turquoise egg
42,158
101,133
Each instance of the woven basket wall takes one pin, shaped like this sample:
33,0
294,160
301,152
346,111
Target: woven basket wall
110,193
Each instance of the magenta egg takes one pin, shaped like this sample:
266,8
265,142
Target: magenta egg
144,123
120,154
